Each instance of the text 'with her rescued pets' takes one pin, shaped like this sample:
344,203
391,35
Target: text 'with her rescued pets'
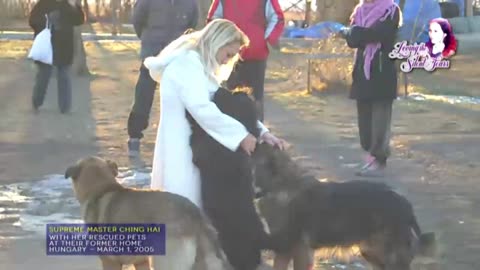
105,239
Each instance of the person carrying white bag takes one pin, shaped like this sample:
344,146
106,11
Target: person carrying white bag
54,18
41,50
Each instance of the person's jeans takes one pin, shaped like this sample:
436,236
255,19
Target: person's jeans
142,105
64,86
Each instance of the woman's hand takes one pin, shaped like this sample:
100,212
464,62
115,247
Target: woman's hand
274,141
343,32
248,144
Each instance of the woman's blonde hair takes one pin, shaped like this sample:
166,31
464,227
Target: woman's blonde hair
207,41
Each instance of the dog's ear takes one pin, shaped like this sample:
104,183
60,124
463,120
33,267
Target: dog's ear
113,167
72,171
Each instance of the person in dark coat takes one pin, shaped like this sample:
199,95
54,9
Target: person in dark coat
373,30
62,15
156,23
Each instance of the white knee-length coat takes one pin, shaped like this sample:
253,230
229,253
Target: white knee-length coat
185,86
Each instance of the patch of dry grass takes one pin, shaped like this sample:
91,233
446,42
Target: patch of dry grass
14,49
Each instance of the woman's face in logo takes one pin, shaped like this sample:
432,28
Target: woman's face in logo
436,33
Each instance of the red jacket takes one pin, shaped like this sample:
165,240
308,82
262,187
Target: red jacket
260,23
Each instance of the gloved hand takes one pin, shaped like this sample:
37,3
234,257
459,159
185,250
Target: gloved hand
344,31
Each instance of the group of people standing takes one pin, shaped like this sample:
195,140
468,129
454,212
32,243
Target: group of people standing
238,35
157,23
373,30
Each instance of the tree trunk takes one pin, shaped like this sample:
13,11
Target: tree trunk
203,7
86,9
308,13
115,6
335,10
79,66
469,8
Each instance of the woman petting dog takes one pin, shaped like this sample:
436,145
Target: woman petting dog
190,70
374,28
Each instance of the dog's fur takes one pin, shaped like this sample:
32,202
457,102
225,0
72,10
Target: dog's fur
191,242
370,217
227,183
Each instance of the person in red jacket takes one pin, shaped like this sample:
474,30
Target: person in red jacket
263,22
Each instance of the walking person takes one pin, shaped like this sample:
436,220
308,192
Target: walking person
263,22
374,26
63,16
156,23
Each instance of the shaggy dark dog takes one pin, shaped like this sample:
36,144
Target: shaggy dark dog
379,222
227,184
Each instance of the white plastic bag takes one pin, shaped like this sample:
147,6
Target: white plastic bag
42,50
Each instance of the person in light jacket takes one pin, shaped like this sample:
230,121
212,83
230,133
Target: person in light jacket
156,23
263,22
62,16
189,74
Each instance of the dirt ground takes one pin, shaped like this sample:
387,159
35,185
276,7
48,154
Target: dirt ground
435,160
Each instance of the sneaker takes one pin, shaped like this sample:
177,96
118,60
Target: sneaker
133,147
368,159
375,169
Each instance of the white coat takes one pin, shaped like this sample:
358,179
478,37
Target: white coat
185,86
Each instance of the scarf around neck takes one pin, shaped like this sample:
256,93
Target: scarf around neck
366,15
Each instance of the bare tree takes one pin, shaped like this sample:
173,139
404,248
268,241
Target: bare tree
469,8
86,9
79,65
115,6
335,10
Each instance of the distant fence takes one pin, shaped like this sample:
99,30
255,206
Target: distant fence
15,9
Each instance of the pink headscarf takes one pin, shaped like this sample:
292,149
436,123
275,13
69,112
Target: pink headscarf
366,15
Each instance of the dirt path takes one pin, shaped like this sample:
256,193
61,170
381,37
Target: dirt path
48,142
443,191
435,162
34,145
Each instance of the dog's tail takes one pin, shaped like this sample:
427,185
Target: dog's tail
426,242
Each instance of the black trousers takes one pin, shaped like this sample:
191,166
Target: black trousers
142,105
374,125
250,73
232,212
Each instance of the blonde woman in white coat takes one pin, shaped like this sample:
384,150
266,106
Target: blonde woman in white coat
189,73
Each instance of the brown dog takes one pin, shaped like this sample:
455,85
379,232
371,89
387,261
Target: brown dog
355,217
191,242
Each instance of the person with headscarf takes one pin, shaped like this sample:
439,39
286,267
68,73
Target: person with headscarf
373,30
